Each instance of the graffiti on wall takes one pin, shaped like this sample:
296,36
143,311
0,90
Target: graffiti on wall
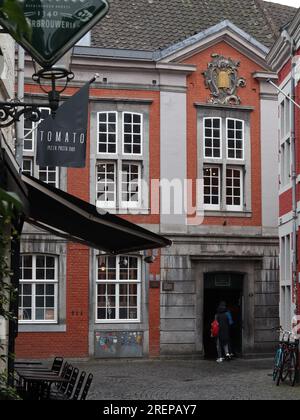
118,344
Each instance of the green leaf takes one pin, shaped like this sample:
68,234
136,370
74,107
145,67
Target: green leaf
13,12
9,202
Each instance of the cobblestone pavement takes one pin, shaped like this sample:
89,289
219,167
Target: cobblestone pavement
186,380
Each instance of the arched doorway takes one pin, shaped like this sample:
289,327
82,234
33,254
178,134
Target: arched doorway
226,287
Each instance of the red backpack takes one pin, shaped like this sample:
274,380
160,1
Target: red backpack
215,329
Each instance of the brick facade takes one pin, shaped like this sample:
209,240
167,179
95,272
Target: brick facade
229,243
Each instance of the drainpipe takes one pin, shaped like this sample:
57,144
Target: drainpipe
294,172
291,41
20,96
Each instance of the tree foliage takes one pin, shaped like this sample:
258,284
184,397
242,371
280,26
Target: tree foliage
12,11
10,208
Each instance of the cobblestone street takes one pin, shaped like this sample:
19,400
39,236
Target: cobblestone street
186,380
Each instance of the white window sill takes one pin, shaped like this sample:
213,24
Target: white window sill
37,328
118,321
227,213
136,211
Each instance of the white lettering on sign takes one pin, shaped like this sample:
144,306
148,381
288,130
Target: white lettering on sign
56,24
58,137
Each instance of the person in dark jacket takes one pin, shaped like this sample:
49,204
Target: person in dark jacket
223,338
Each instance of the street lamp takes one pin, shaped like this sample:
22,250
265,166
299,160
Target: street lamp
60,71
11,112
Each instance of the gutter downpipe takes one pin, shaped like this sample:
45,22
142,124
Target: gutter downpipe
20,96
294,176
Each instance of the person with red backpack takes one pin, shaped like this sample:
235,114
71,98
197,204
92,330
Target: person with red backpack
221,331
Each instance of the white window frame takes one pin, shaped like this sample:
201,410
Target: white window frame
213,207
141,134
117,283
29,159
27,133
107,204
33,130
47,172
241,206
130,204
212,139
116,132
235,139
34,282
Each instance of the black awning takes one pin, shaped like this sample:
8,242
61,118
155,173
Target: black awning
67,216
11,180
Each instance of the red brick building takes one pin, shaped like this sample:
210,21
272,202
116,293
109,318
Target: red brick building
285,59
181,100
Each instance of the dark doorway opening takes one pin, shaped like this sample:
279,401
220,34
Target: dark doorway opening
226,287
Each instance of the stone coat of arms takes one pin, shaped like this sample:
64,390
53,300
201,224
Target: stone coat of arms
223,80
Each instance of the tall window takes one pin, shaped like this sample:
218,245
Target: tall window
285,139
212,137
118,289
106,184
107,132
47,174
131,179
223,164
234,189
132,133
38,292
212,188
119,177
235,138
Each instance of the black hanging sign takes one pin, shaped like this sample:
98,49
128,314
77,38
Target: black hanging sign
61,141
53,26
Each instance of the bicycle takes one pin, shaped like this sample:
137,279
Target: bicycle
286,359
290,365
279,356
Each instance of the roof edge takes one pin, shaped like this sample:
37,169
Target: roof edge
280,52
225,24
158,55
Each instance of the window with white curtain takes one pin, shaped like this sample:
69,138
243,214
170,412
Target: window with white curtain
120,159
38,292
118,289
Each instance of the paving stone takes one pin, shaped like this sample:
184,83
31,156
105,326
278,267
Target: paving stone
159,380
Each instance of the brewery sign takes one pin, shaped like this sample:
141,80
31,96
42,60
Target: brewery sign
54,26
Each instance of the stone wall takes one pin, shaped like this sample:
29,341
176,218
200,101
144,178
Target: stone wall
183,269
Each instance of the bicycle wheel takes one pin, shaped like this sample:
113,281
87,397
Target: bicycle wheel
293,369
286,366
277,364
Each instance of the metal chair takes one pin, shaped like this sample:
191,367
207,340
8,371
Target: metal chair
72,383
57,364
87,387
63,374
60,395
68,375
79,386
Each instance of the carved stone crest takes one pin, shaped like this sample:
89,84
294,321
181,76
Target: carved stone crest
223,80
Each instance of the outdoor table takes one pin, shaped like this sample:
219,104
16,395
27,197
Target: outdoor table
37,385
